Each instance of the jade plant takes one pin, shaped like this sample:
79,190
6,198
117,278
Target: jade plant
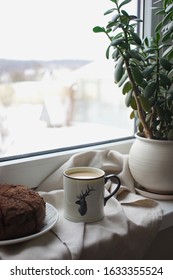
143,67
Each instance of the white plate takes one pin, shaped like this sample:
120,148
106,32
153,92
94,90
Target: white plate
50,220
154,195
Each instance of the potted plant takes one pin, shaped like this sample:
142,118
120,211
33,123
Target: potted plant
144,71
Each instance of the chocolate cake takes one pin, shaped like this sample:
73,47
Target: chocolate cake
22,211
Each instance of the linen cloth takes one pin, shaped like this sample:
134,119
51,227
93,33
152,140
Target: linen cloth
130,224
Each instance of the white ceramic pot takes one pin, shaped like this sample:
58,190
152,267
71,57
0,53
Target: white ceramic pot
151,164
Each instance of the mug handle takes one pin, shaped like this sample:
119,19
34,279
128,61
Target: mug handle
107,177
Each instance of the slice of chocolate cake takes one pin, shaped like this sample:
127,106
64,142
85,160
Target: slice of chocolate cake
22,211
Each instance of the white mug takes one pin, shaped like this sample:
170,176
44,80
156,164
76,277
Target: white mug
84,189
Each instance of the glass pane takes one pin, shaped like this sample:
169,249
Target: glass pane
56,86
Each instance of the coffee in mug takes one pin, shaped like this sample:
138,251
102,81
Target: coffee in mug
84,189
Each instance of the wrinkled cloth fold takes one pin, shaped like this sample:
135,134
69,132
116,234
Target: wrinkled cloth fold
129,226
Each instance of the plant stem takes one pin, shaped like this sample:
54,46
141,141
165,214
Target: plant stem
136,94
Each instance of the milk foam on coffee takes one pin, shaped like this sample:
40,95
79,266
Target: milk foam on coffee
84,175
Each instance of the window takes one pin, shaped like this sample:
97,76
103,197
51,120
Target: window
56,86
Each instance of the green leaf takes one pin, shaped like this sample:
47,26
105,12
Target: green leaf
160,12
136,38
158,27
157,37
111,24
150,50
151,57
170,55
132,115
127,87
148,70
117,42
163,46
149,90
98,29
125,13
137,75
133,103
128,98
108,30
145,103
166,64
115,54
170,74
119,71
107,52
123,79
166,82
167,51
166,19
146,41
169,26
136,55
109,11
169,8
124,3
135,19
166,36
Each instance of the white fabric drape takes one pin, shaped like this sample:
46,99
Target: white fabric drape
130,224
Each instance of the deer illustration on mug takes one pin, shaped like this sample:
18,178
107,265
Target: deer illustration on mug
82,200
